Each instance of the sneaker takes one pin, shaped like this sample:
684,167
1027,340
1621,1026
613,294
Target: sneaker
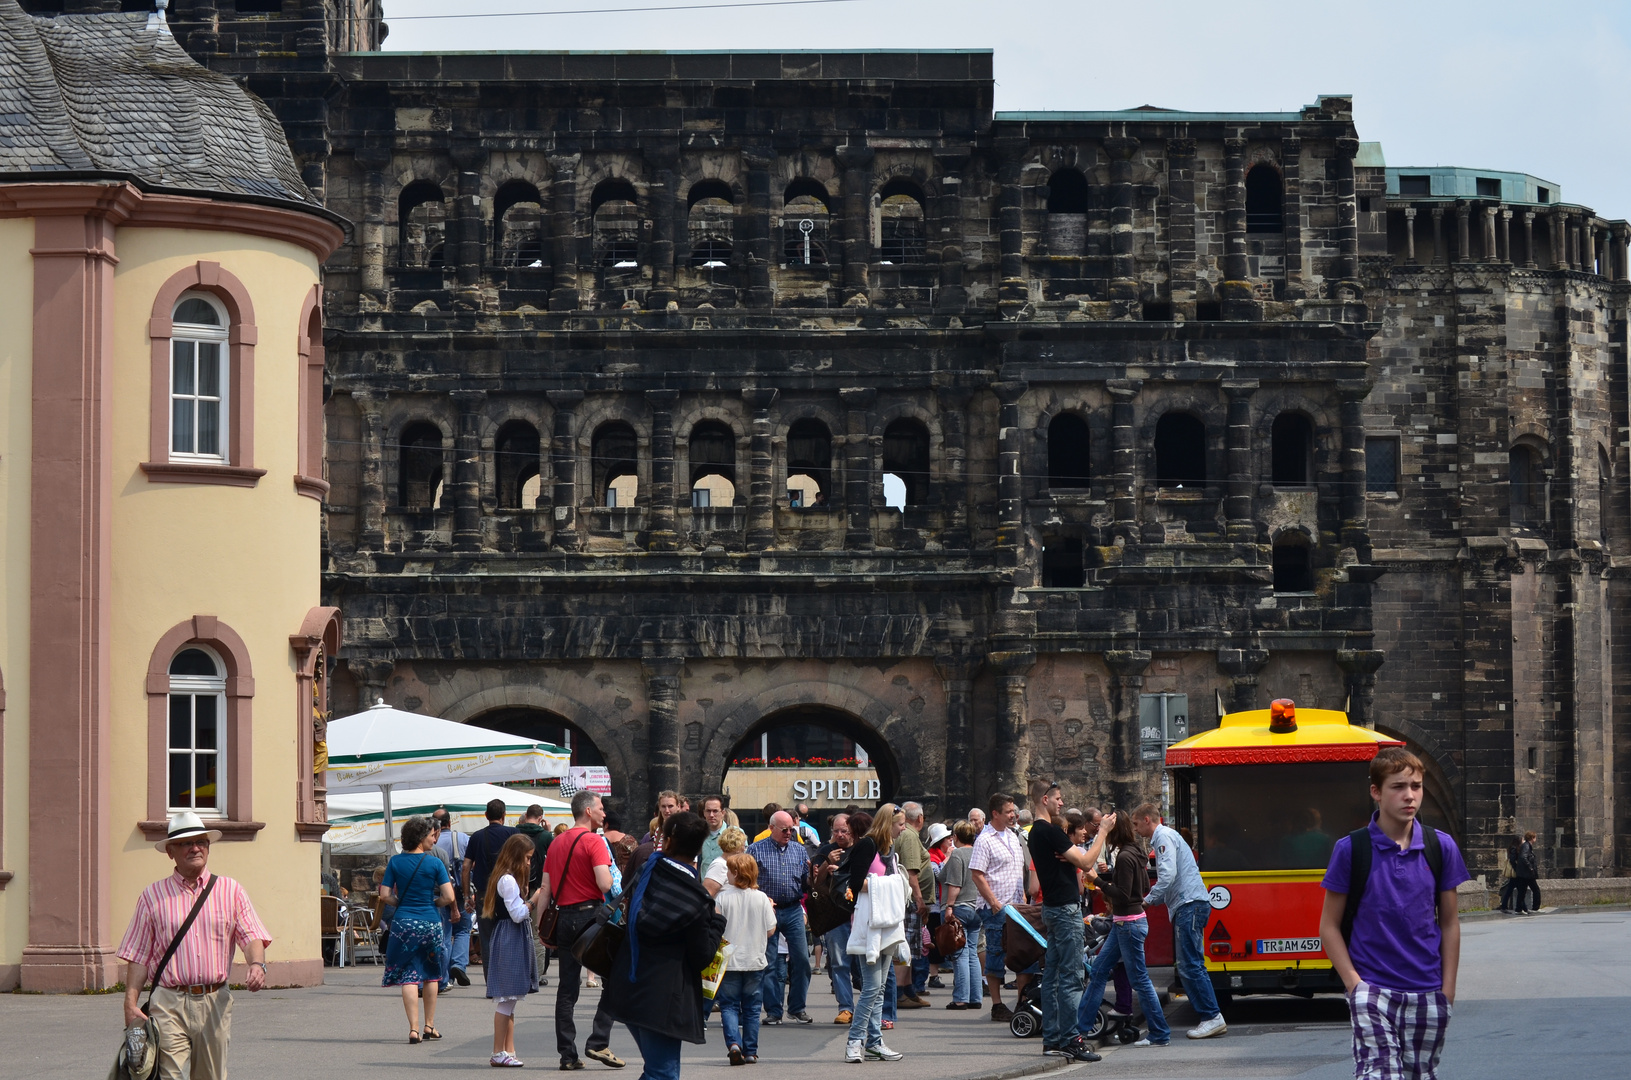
1208,1029
606,1057
505,1060
1054,1051
802,1017
883,1053
773,1021
852,1052
737,1057
844,1016
904,1002
571,1066
1145,1041
936,982
1078,1049
1001,1013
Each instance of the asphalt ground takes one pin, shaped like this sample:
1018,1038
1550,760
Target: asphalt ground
1540,997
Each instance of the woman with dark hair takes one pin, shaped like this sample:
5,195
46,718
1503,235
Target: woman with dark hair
878,929
417,883
1124,891
655,986
512,967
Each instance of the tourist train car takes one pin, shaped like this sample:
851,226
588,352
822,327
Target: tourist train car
1264,797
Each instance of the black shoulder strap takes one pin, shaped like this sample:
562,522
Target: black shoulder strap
1359,856
175,942
1433,848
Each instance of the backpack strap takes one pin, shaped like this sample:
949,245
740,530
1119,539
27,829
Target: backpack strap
1359,858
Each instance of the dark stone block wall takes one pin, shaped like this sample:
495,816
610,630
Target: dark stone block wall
568,268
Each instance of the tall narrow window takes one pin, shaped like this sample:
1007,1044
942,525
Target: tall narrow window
806,223
420,464
615,208
421,212
1292,448
1265,200
1381,464
1068,456
198,380
516,458
1180,452
1526,486
615,453
1293,571
710,223
197,750
518,226
901,234
906,457
809,463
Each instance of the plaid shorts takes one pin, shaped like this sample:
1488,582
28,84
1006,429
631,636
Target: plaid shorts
1398,1035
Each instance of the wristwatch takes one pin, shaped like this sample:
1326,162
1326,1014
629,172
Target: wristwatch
260,964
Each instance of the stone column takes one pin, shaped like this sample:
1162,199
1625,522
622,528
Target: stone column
1348,216
1010,480
1558,229
1235,266
761,505
1238,502
371,473
1410,235
1012,753
1123,458
758,160
1439,254
564,464
371,254
664,191
954,453
467,532
1242,666
858,466
1127,668
1123,279
952,296
1491,253
1463,231
1291,152
563,221
470,232
1355,529
662,724
663,537
1181,219
1359,667
1529,238
1621,234
371,674
1506,236
857,191
957,673
1012,290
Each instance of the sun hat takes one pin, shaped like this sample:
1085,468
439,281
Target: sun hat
184,826
937,833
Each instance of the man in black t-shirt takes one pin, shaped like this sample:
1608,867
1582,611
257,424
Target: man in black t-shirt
479,858
1063,969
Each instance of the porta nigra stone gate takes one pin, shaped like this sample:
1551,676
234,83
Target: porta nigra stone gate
674,395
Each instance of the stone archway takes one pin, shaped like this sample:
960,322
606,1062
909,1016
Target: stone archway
548,707
1441,806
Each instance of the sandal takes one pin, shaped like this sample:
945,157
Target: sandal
413,1036
432,1033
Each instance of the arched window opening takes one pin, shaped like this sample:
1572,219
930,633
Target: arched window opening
197,743
615,208
516,461
518,226
198,380
809,463
1180,452
901,233
421,214
1067,192
806,223
713,454
1068,456
1293,571
615,453
906,455
710,223
1605,494
1265,199
1062,566
711,490
419,451
816,735
1292,451
1526,485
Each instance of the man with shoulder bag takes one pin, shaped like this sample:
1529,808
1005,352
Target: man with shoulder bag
184,931
577,877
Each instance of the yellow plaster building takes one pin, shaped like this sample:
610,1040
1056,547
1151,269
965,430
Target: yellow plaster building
162,643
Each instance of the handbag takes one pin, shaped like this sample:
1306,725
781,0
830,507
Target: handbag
597,947
551,917
949,936
821,910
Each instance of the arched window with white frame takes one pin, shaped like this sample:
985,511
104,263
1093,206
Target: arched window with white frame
199,373
197,732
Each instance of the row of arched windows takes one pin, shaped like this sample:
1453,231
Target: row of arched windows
1180,451
1068,192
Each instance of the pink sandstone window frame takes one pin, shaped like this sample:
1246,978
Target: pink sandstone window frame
5,875
308,479
239,469
236,822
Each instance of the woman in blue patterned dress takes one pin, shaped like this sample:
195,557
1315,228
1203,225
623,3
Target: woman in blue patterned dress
416,882
512,967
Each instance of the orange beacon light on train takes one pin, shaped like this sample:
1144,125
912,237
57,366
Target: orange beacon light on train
1266,795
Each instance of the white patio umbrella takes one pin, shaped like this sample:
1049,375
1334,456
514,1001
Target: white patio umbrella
356,817
389,749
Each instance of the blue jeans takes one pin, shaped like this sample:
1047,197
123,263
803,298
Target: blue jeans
965,985
1188,924
458,941
738,1000
793,969
891,992
1125,945
1062,973
920,974
659,1053
867,1026
838,966
992,922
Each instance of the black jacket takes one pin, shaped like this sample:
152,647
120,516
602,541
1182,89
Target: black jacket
1128,882
540,836
679,934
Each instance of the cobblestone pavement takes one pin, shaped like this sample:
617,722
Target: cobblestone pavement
1541,997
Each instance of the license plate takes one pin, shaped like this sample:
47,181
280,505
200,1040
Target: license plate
1273,946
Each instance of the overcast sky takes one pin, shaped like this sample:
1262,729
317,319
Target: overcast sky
1537,87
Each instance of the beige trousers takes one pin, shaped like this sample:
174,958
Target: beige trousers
193,1034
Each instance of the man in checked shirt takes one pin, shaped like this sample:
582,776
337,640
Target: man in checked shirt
784,876
192,1008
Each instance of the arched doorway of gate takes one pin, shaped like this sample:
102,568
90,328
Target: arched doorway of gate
814,754
544,726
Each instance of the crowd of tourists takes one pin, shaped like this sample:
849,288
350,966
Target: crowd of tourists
886,905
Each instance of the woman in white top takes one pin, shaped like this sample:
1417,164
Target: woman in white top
512,967
750,920
714,875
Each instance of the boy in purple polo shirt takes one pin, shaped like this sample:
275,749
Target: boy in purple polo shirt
1399,960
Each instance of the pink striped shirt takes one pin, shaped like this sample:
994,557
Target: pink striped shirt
205,955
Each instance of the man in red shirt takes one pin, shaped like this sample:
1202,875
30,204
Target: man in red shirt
578,874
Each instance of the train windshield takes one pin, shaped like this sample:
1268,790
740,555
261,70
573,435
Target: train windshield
1278,817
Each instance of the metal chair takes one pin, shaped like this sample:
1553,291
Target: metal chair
363,931
333,929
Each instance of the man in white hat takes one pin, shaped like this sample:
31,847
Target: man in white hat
192,1008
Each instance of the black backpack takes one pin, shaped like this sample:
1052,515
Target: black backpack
1359,859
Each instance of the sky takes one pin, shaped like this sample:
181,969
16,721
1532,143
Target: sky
1542,88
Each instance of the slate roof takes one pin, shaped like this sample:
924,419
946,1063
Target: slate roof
105,94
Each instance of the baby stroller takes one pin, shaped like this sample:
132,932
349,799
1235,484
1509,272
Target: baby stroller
1109,1025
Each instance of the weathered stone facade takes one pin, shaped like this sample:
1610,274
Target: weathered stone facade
1124,364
